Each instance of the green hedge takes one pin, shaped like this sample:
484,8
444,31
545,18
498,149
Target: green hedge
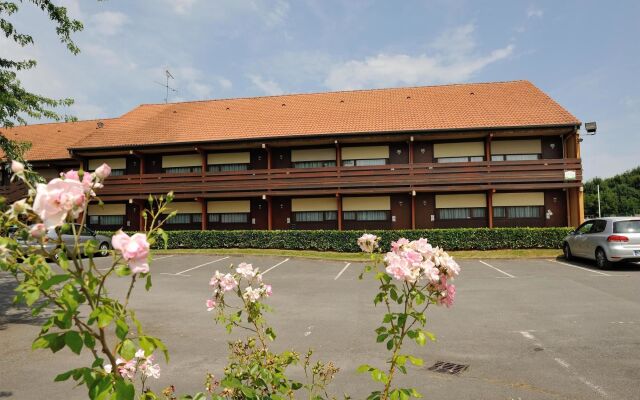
345,241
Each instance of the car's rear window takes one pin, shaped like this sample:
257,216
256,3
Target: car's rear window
632,226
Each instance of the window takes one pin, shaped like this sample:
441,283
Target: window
514,157
227,167
181,170
229,218
365,215
364,162
184,219
459,159
117,220
315,216
461,213
517,212
585,228
632,226
599,226
117,172
314,164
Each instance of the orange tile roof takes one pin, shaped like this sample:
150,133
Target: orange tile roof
427,108
51,141
448,107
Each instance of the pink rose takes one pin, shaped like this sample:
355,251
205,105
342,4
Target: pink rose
37,231
422,245
412,256
227,282
448,296
87,181
246,270
103,171
58,199
399,244
211,305
368,242
267,290
250,294
134,249
17,167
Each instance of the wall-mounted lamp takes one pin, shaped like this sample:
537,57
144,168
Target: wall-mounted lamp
590,127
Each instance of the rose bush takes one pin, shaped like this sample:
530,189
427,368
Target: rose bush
64,280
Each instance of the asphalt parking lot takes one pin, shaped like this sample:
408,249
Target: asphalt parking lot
528,329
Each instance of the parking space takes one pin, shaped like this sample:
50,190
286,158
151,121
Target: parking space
528,328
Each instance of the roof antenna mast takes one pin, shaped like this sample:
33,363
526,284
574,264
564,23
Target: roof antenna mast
166,85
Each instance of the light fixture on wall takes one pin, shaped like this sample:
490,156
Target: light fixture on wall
399,151
590,127
423,150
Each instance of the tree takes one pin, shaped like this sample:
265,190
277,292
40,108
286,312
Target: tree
17,103
619,195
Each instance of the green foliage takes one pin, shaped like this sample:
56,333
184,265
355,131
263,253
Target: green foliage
619,195
345,241
17,103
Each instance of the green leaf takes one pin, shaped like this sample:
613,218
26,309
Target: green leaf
390,344
31,295
122,329
64,376
127,349
73,340
54,280
382,337
89,340
416,361
147,285
421,338
363,368
125,390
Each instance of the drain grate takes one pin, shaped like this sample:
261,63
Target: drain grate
448,367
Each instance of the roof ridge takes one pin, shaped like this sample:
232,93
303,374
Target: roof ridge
331,92
57,123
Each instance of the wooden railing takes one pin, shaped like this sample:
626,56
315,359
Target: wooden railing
503,175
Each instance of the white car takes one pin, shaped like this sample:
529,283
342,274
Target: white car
605,240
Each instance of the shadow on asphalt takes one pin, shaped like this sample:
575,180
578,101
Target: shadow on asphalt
616,267
9,312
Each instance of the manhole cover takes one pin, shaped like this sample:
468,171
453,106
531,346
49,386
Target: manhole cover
448,367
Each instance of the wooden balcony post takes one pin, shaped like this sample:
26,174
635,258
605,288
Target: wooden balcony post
269,214
203,155
411,150
338,154
203,223
339,200
490,207
413,208
487,147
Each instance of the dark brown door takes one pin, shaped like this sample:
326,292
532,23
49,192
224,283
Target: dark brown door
401,212
555,208
551,147
422,152
153,165
133,165
259,214
133,217
425,209
281,213
258,159
281,158
399,153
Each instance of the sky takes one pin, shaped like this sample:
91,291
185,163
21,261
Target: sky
584,54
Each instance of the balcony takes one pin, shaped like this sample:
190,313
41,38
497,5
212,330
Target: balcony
399,178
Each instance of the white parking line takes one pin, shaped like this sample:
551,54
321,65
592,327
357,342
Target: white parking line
196,267
497,269
582,268
341,271
564,364
278,264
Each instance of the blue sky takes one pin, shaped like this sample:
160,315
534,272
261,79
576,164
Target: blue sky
585,54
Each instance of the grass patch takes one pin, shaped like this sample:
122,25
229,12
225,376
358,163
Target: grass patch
332,255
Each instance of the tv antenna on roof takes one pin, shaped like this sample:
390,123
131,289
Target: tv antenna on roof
166,85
